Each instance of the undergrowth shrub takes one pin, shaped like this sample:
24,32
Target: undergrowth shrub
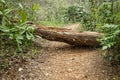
17,32
105,14
73,14
111,42
14,37
105,18
88,21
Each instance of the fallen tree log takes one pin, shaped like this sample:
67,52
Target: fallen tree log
86,38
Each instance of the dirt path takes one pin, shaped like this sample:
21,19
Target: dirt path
60,61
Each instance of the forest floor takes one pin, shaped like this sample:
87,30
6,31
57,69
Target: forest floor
60,61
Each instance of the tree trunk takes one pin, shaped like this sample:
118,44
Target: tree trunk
66,35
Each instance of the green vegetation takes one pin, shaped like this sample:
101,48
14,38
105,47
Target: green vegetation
94,15
52,12
102,16
111,42
13,36
107,21
73,14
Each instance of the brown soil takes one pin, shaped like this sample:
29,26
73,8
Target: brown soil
60,61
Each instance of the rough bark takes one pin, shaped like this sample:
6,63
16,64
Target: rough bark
66,35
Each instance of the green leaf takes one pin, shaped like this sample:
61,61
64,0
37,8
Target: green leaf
7,11
18,41
3,1
1,13
20,5
28,36
5,30
20,37
11,36
34,7
24,16
32,36
104,47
